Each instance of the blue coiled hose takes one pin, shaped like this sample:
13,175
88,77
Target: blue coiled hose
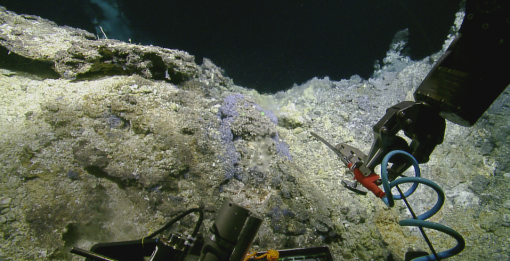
419,221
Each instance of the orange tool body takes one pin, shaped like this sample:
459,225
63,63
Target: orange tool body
370,182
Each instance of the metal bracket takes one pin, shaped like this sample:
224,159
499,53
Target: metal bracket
354,155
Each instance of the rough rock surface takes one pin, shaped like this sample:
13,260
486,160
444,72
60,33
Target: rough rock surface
75,53
106,141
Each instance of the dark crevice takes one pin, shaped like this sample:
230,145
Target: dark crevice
96,171
15,62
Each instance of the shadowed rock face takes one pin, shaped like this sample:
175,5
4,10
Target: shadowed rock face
93,152
75,53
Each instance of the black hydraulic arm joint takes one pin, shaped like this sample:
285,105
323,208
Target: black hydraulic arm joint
419,122
474,71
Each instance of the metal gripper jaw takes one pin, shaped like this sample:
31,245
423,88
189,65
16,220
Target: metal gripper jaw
353,155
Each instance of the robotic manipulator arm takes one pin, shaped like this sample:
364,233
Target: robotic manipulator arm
462,85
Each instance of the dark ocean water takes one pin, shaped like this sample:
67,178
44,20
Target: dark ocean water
265,45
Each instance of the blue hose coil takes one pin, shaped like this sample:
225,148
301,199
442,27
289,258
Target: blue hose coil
420,221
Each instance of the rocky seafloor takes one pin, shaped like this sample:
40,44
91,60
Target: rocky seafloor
104,141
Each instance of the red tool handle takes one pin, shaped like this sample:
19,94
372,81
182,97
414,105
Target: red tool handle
368,181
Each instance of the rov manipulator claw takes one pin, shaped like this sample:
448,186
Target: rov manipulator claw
352,158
